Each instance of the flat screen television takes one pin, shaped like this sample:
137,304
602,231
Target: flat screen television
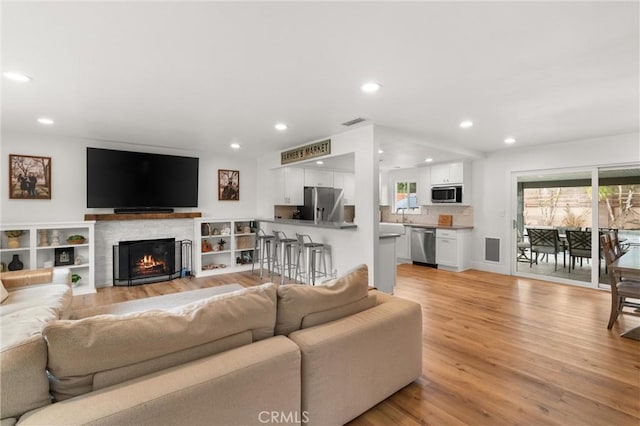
138,181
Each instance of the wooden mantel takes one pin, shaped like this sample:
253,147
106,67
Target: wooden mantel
141,216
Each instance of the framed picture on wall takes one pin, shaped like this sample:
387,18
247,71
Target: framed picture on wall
29,177
228,185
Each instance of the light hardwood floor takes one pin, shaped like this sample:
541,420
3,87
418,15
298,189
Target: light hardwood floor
497,350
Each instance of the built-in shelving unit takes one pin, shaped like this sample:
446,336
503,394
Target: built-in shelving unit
44,245
236,254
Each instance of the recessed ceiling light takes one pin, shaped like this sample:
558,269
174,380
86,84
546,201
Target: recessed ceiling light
380,151
509,140
371,87
319,162
281,126
17,76
235,145
466,124
45,120
428,160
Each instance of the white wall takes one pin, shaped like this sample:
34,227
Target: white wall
492,184
350,247
68,169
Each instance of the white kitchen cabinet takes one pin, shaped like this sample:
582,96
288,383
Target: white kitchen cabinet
288,184
452,249
383,195
346,182
44,245
313,177
403,246
443,174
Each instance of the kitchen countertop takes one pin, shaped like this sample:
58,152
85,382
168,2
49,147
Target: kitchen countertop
388,235
311,223
424,225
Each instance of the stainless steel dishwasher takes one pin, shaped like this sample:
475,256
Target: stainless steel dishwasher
423,246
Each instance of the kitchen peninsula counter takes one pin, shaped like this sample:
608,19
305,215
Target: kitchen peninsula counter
421,225
311,223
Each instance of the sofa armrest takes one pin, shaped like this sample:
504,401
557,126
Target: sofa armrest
351,364
241,386
15,279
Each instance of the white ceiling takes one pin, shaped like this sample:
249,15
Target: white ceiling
201,75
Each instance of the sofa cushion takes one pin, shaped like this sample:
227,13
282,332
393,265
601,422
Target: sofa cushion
55,296
295,301
23,360
3,292
78,349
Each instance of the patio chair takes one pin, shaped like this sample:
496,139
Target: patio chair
523,245
620,289
546,241
579,247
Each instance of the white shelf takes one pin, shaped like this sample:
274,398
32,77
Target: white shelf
227,257
33,255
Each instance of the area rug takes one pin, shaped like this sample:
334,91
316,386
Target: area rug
164,301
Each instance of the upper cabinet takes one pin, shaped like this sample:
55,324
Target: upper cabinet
346,182
288,186
313,177
444,174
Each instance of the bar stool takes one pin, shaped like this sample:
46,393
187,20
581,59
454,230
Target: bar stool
283,253
311,250
263,248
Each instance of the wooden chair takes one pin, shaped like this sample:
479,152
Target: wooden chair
579,247
620,289
546,241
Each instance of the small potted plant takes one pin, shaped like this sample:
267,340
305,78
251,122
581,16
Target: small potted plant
13,237
75,278
75,239
221,244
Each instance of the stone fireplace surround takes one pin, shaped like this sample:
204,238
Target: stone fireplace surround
110,232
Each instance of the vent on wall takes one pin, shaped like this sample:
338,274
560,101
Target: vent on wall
354,121
492,249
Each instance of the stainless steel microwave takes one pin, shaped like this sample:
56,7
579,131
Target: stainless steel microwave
446,194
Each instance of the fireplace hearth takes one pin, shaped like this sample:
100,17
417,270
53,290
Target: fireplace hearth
146,261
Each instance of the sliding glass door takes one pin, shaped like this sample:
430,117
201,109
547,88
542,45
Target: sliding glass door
558,221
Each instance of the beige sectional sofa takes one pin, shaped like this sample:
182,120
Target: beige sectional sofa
287,354
30,299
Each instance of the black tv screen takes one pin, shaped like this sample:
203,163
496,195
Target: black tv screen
124,179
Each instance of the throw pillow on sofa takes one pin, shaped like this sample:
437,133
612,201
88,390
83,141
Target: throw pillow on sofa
3,293
301,306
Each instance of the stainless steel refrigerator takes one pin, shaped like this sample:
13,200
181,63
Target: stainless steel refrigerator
323,204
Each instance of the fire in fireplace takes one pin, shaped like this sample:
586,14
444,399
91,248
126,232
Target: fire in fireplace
147,258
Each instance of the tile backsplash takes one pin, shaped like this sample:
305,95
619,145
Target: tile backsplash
462,215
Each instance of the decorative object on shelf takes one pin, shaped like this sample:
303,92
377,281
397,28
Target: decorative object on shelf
247,229
43,238
228,185
206,246
16,264
29,177
226,231
3,267
216,231
205,229
64,256
79,260
55,237
48,264
76,239
239,228
75,278
13,237
221,244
